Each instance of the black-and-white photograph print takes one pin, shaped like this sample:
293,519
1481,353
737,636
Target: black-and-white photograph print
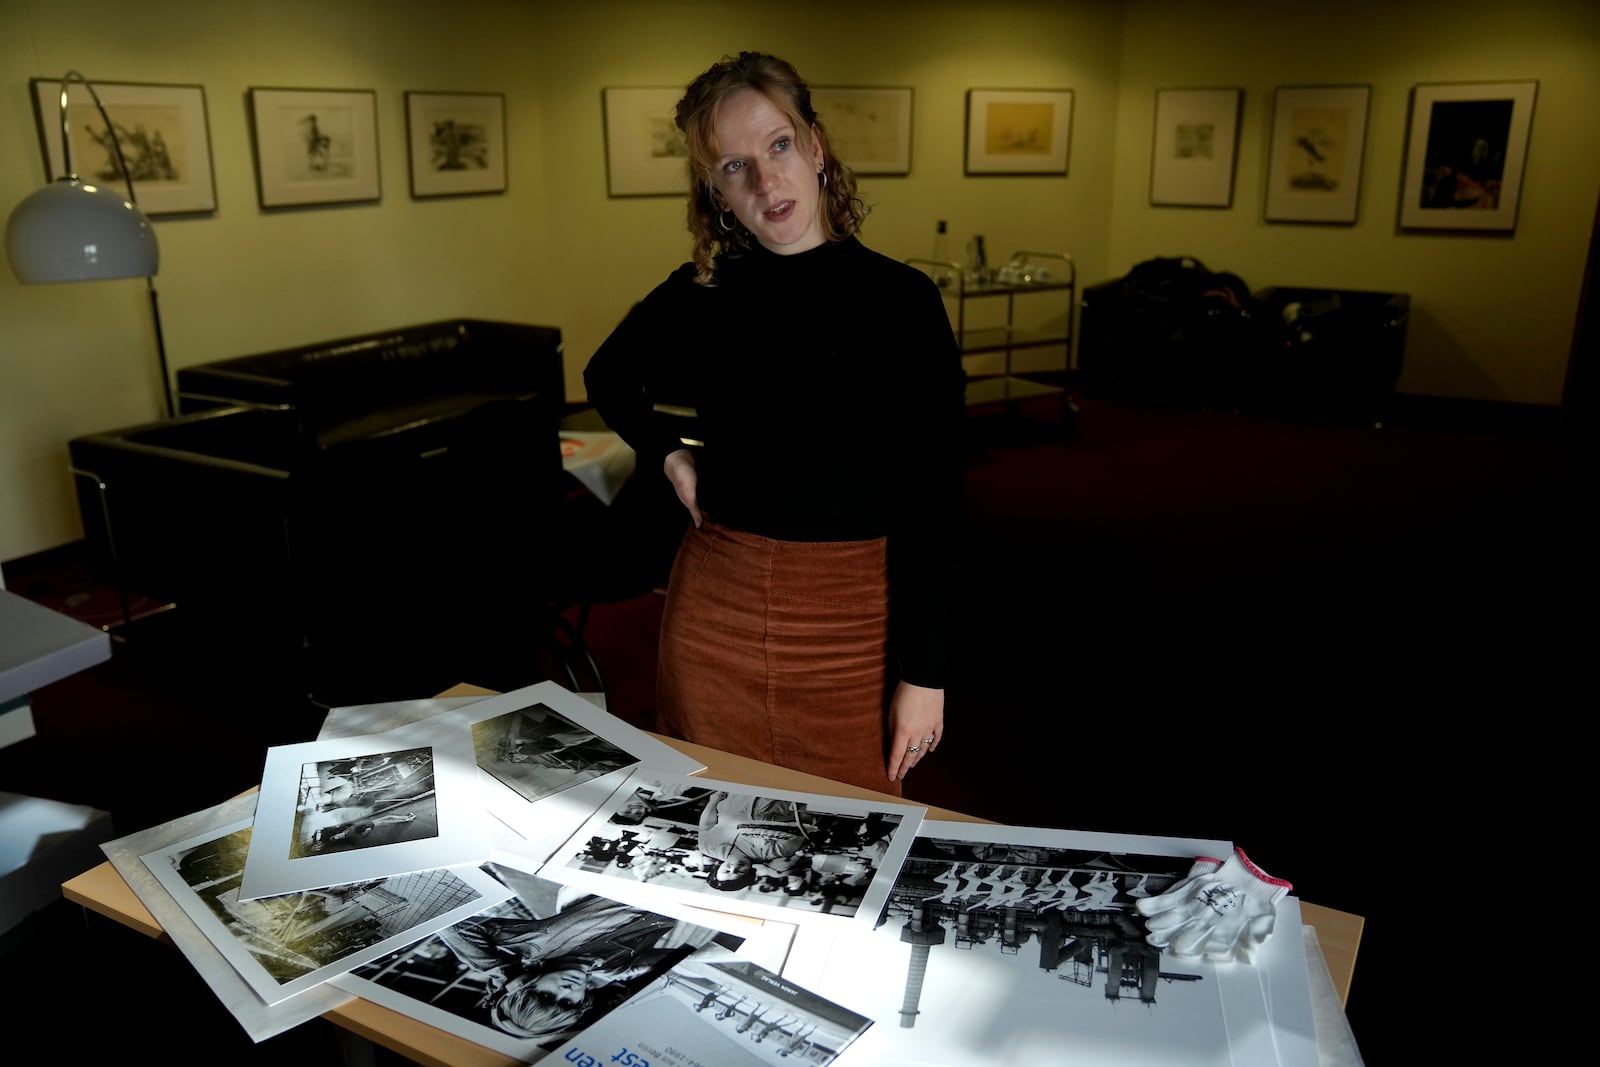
352,809
716,1009
1076,906
525,975
536,743
536,751
282,945
773,852
374,799
989,931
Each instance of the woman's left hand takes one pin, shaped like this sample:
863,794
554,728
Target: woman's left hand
916,726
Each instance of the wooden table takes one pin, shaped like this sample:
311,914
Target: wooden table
102,890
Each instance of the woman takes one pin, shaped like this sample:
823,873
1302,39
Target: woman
810,605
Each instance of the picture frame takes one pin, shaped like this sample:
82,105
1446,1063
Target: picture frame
1018,131
456,143
162,129
1466,147
1319,135
645,152
315,146
868,127
1195,147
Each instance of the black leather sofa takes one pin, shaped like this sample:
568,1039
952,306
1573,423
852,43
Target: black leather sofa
375,384
336,515
1173,333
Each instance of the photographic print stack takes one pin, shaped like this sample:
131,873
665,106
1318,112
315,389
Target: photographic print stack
533,875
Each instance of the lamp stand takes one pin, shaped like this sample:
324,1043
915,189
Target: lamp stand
161,349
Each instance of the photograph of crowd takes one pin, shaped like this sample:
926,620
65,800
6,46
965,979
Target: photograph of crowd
772,850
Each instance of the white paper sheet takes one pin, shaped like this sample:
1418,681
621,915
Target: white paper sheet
602,461
259,1020
534,743
352,720
536,940
289,944
1285,975
354,809
999,945
1336,1042
717,1011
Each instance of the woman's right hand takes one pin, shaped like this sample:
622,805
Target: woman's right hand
679,468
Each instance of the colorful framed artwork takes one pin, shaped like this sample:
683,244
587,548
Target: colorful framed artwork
161,130
1319,136
1195,148
645,151
869,128
456,143
1465,151
315,146
1018,131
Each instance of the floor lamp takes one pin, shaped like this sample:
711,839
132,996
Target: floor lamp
71,231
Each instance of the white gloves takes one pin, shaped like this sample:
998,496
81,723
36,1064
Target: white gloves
1223,910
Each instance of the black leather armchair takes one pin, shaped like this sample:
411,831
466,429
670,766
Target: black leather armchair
339,530
1173,333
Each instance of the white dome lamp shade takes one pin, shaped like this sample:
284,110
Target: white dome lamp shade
72,232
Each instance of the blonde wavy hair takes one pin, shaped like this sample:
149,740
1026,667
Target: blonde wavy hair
840,209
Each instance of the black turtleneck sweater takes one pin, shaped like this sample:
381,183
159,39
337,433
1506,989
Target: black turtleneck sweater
828,387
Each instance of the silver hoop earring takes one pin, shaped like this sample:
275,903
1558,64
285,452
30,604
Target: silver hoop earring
822,176
722,224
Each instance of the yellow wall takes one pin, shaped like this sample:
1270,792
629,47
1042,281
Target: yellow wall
1492,315
1492,319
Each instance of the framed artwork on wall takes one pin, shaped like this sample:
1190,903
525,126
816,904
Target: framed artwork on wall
1018,131
1196,144
456,143
868,127
162,131
645,152
1319,135
1465,151
315,146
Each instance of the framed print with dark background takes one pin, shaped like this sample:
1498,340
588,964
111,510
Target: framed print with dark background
162,130
1319,135
1018,131
315,146
456,143
645,152
1196,144
1465,151
869,128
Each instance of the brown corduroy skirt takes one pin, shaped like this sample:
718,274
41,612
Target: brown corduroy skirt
777,650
